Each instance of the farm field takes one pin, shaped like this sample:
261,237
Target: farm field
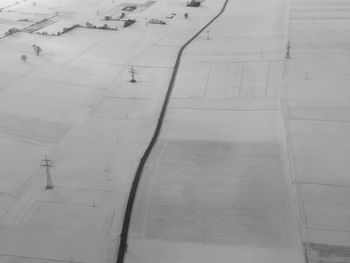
74,104
316,109
251,161
217,187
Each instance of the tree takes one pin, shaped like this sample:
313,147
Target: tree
11,31
37,49
24,58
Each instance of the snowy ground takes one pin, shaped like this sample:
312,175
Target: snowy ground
316,102
74,103
217,187
51,16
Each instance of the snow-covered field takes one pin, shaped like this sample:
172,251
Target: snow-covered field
243,127
217,187
51,16
317,112
75,104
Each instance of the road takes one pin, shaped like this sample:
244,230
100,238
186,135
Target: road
133,191
75,104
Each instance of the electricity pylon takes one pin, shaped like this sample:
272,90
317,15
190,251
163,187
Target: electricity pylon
133,73
47,164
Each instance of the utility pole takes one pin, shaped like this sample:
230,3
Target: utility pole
288,50
47,164
133,73
306,75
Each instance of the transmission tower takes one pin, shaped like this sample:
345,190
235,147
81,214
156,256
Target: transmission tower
47,164
133,73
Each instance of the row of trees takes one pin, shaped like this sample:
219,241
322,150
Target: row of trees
105,26
11,31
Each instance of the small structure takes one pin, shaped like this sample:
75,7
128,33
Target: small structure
129,8
194,3
129,22
171,16
122,14
156,21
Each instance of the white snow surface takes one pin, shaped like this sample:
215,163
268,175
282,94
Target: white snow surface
252,158
316,98
75,104
217,187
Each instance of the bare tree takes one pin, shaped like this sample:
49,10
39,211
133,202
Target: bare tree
37,49
24,58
